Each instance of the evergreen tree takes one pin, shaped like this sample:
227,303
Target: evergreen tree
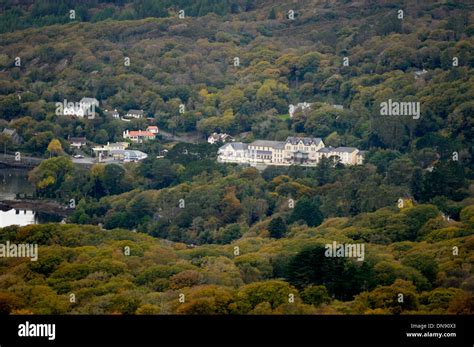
277,228
340,276
249,5
448,179
272,14
417,185
323,171
308,211
234,8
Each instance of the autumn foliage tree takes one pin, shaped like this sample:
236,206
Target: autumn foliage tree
55,148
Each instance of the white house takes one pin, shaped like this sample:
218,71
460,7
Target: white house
215,137
77,142
347,155
134,114
106,149
233,152
301,106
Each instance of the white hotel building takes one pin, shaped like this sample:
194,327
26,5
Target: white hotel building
304,151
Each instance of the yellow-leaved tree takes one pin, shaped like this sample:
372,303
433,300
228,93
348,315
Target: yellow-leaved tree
55,148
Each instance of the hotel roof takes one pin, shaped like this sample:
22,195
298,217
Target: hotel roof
266,143
345,149
326,149
238,145
306,140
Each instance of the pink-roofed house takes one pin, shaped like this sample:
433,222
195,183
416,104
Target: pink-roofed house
152,129
138,136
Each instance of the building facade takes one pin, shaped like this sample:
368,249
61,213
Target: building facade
77,142
215,138
305,151
233,152
138,136
135,114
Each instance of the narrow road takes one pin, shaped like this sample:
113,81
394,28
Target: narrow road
30,162
25,161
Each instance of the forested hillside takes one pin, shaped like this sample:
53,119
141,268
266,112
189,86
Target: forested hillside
233,239
130,273
281,62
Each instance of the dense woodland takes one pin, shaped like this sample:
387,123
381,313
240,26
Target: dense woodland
408,251
191,61
182,217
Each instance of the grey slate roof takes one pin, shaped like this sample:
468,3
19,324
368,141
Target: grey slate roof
345,149
307,141
238,146
140,112
280,145
265,143
326,149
